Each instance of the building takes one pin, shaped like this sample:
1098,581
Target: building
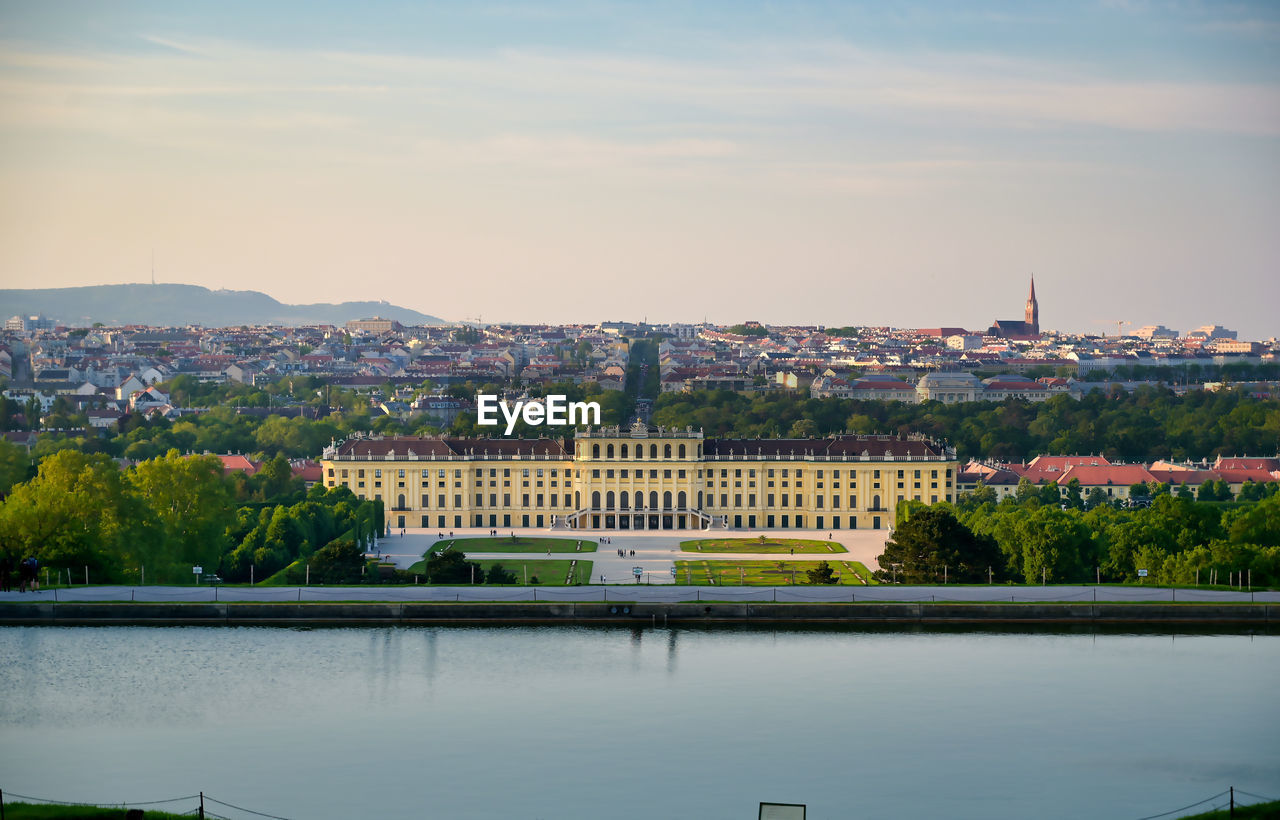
1028,328
949,388
375,325
644,478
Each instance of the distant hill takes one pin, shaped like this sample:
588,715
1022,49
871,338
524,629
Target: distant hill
172,305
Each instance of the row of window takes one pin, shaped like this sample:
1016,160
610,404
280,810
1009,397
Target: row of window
680,451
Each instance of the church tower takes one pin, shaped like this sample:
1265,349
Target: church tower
1033,310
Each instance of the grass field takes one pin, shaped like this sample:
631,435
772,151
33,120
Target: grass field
505,543
783,546
766,573
42,811
551,572
1257,811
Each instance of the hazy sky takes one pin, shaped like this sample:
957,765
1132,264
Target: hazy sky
837,163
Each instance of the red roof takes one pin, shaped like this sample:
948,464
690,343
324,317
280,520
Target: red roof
1120,475
239,464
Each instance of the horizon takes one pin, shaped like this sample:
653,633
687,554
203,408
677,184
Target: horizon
818,164
446,321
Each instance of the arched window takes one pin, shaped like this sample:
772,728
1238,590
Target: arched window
608,453
400,503
639,500
653,499
624,451
682,451
624,501
683,500
699,451
653,452
577,500
666,500
875,502
608,500
595,500
699,499
666,451
595,451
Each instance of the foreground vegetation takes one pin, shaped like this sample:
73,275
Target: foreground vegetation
43,811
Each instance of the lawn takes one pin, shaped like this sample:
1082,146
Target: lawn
764,573
551,572
767,545
505,543
1257,811
42,811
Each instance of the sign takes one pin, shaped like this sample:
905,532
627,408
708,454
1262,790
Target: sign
673,572
782,811
637,571
197,570
1142,573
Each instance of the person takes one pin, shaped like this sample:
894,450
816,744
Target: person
33,579
6,572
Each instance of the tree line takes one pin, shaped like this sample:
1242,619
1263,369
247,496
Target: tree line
1030,539
1148,424
82,512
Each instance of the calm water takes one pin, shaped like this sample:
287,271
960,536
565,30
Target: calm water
593,723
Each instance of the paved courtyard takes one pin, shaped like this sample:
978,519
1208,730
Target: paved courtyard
655,552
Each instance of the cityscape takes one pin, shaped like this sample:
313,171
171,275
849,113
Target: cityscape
604,410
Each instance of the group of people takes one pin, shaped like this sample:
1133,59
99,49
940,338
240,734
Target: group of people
28,574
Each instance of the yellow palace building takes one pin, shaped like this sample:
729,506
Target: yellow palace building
643,478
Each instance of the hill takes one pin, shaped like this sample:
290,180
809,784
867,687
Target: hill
174,305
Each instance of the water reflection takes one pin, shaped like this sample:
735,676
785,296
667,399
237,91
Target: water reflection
502,722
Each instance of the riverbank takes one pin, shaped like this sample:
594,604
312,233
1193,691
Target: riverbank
634,613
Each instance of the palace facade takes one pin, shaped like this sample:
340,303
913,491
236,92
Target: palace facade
643,478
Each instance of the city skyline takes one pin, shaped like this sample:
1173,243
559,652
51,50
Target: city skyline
559,162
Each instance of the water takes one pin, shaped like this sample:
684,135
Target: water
613,723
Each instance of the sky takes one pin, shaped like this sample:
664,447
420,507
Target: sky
837,163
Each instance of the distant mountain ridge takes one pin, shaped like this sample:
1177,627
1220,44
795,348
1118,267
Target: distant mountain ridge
173,305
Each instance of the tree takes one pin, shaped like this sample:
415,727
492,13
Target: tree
499,574
15,465
77,512
821,574
933,538
340,562
192,501
452,567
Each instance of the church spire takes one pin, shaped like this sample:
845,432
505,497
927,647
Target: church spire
1033,309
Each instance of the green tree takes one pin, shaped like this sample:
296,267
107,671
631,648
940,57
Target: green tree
15,465
821,574
499,574
933,538
339,562
192,502
452,567
77,512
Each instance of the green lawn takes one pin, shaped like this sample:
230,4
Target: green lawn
551,573
42,811
768,545
766,573
1257,811
505,543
